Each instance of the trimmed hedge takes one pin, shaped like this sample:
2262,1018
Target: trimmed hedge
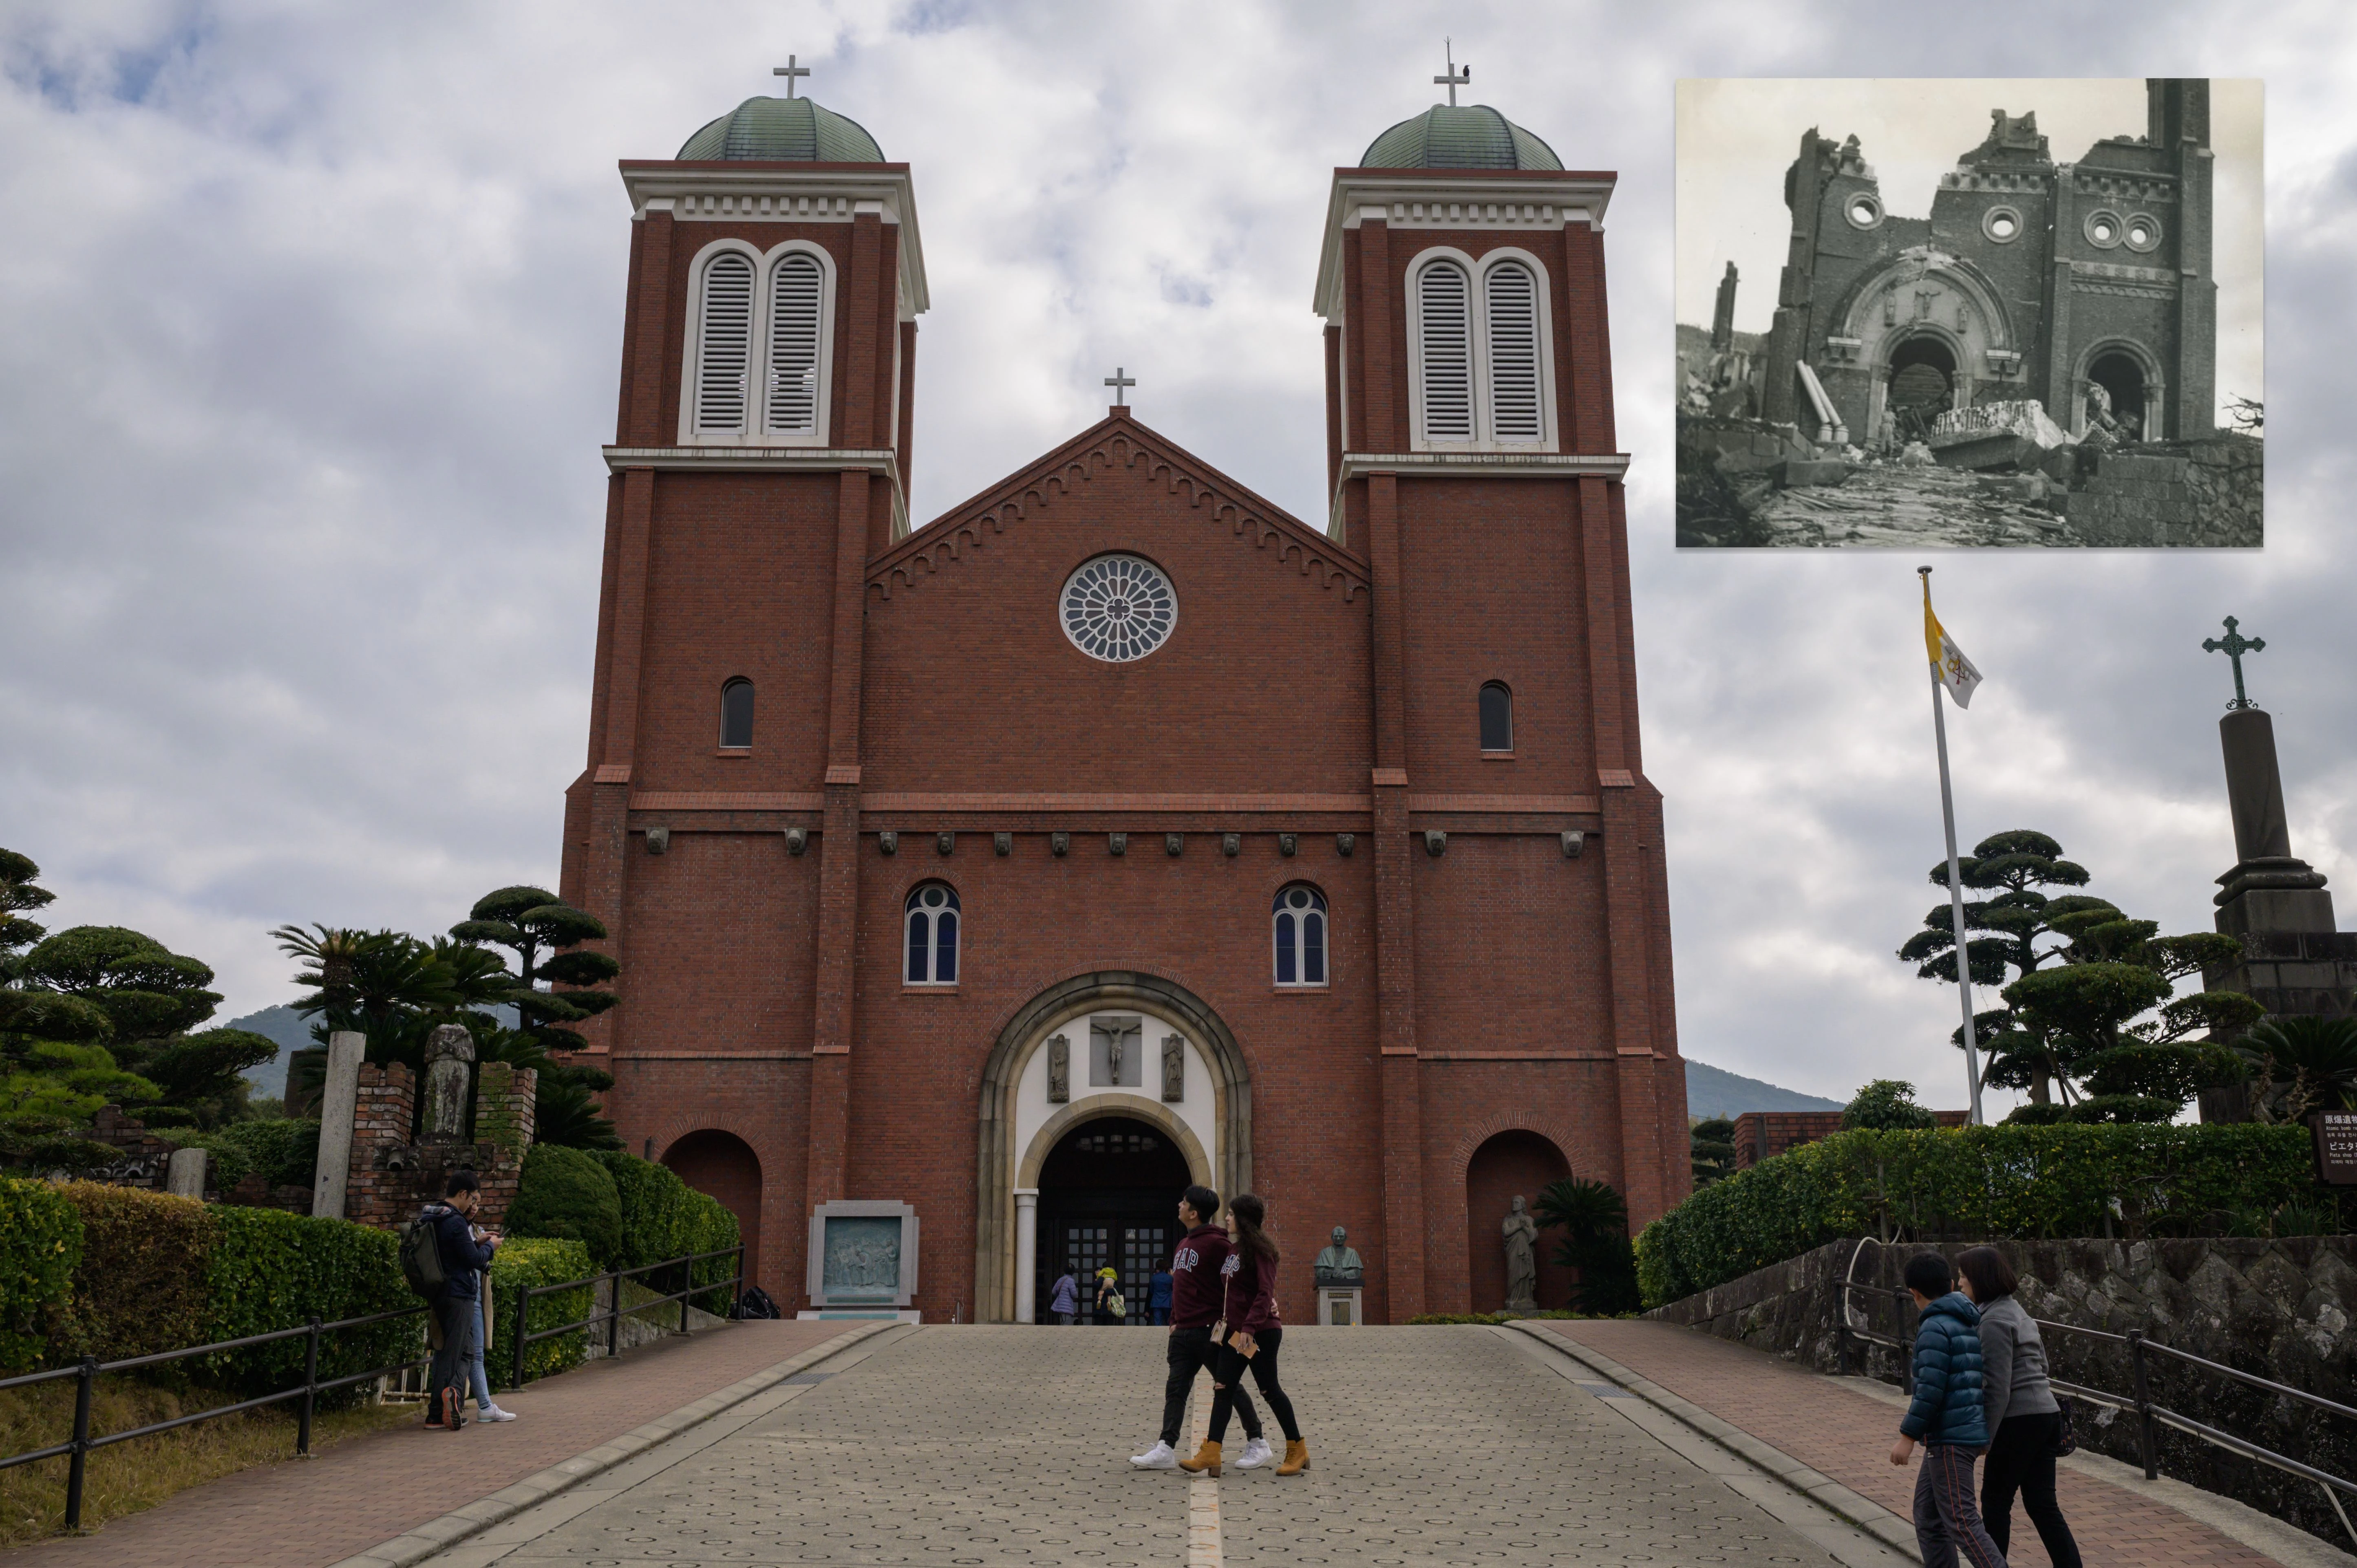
140,1285
271,1270
40,1243
663,1217
1984,1182
566,1195
524,1261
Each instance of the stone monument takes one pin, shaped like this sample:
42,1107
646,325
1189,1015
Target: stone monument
184,1174
2295,960
1522,1237
1341,1277
339,1099
449,1074
863,1261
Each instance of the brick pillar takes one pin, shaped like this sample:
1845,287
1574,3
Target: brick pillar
503,1125
1403,1285
384,1107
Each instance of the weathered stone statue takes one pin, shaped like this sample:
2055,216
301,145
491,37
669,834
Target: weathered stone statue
1339,1263
449,1072
1174,1070
1059,1071
1522,1233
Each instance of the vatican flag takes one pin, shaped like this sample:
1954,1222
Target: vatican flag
1955,671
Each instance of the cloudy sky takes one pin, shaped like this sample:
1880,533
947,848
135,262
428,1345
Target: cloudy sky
312,314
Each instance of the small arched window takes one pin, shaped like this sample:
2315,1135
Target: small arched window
1512,297
796,292
1445,350
737,714
1299,918
1497,717
933,920
725,346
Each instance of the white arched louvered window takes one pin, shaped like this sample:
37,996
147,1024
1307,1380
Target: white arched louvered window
1511,301
725,346
1445,350
797,295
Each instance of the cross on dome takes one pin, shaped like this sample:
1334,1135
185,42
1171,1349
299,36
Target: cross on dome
1118,380
790,70
1455,78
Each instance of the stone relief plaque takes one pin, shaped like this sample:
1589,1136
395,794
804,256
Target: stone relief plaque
1114,1052
863,1258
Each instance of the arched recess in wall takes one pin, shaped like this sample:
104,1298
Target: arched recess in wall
1517,1162
2119,365
1006,1157
723,1165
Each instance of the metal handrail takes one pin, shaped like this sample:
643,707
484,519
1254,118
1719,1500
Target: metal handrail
612,1317
89,1370
2138,1404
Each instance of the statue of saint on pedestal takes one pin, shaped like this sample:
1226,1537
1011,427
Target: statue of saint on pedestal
1339,1264
1522,1235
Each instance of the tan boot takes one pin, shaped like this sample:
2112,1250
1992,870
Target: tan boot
1206,1459
1297,1457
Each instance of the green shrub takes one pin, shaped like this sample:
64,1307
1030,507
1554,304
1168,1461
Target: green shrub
226,1163
286,1153
141,1285
40,1245
2036,1116
534,1261
2023,1181
710,1228
272,1269
566,1195
654,1209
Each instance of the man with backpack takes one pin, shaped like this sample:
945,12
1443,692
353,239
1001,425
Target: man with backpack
442,1260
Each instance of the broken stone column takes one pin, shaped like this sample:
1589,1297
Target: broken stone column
184,1176
338,1099
449,1075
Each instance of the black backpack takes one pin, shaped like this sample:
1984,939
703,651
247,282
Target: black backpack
756,1303
421,1257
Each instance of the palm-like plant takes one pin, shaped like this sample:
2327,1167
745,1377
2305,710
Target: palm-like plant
1595,1220
2303,1063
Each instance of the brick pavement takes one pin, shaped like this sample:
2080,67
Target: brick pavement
1430,1447
307,1513
1847,1436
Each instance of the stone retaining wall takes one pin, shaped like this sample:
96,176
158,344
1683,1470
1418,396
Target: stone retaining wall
2285,1310
2196,492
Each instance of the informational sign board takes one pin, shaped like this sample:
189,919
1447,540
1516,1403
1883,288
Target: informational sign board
2336,1146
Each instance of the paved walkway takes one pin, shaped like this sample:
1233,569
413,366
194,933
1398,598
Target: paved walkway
1848,1436
945,1444
308,1513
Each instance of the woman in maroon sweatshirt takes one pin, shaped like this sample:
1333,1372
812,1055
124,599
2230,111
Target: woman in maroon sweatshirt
1254,1331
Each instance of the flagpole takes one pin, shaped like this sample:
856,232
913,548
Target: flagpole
1955,883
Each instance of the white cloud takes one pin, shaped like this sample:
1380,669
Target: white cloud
313,314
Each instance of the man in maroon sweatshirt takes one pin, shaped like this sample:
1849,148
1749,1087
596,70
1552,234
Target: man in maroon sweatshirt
1197,1296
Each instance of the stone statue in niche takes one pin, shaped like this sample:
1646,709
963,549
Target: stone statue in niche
449,1073
1111,1042
1522,1235
1059,1071
1339,1264
1174,1070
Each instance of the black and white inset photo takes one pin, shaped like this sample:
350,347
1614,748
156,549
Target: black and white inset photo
1970,313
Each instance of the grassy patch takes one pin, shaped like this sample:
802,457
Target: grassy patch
129,1476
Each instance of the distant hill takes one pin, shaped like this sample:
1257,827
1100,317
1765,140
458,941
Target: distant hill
291,1032
1715,1091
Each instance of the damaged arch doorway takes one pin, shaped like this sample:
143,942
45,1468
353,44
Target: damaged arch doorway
2119,374
1922,385
1108,1198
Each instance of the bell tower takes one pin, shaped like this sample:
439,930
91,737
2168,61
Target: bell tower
760,458
1470,457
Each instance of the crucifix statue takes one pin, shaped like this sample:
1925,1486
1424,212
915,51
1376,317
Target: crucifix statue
1118,380
1455,78
2234,644
790,70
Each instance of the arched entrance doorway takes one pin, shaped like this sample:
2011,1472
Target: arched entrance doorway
723,1165
1108,1192
1115,1044
1510,1165
1922,385
2120,375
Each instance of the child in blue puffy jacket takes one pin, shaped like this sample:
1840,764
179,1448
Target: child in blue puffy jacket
1946,1416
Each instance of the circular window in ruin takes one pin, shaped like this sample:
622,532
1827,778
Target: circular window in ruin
2143,232
1862,210
2002,224
2104,228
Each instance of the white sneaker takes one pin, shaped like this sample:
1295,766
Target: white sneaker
493,1412
1158,1457
1256,1454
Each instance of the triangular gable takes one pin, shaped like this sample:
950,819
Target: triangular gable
1119,443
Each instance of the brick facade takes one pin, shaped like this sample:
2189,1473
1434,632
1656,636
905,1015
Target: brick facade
1494,982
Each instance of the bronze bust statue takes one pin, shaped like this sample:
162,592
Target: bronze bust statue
1339,1264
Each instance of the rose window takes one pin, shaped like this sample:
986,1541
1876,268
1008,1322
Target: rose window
1118,608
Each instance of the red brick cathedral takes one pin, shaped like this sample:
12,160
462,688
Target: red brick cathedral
1115,829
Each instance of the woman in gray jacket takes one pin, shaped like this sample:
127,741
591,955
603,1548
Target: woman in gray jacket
2025,1424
